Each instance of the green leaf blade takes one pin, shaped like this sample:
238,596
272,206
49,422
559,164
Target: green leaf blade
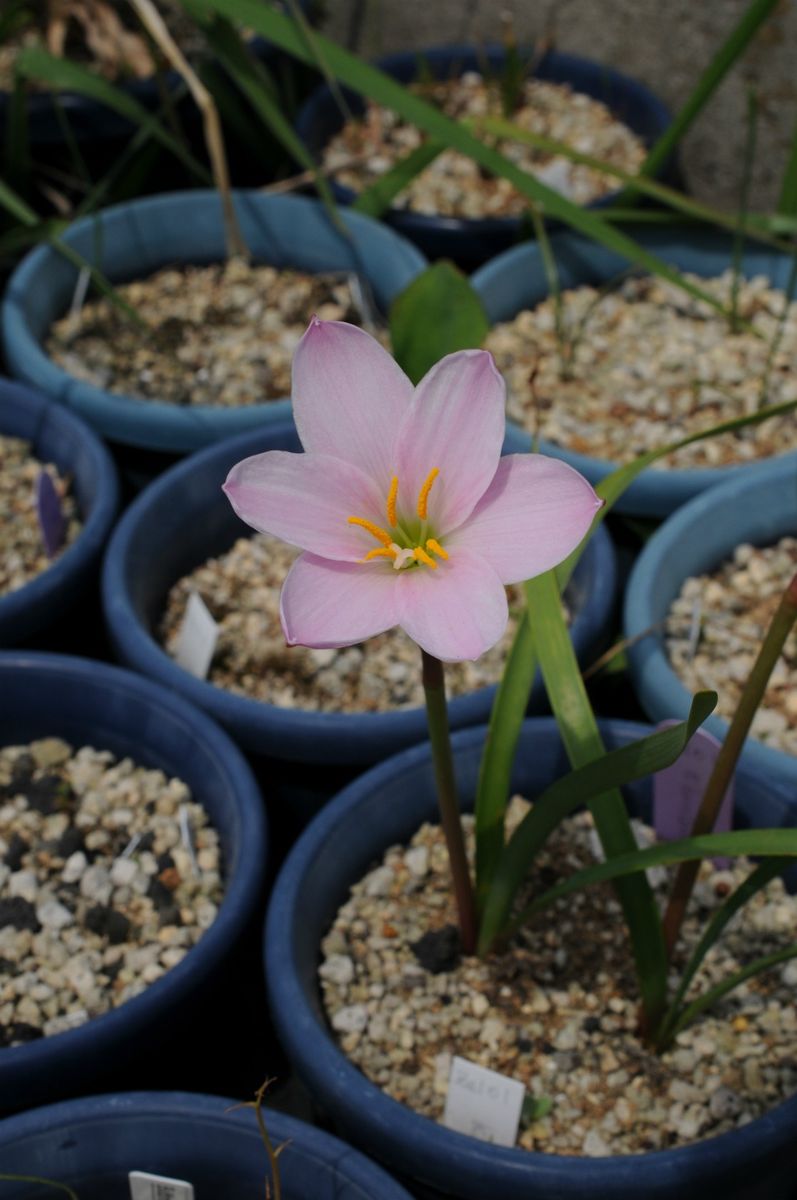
437,314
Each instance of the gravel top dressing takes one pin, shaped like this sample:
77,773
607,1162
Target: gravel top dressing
242,588
221,335
109,874
558,1009
715,628
22,551
644,364
453,185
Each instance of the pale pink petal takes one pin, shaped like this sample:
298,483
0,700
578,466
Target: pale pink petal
349,397
305,499
455,612
455,423
330,604
535,511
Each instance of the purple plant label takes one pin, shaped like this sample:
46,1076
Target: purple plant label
50,514
678,790
144,1186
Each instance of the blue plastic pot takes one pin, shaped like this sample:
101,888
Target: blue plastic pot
184,519
91,1145
470,241
517,280
43,695
760,509
385,807
59,437
131,241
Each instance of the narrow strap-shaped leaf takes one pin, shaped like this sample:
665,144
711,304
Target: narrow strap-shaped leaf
377,198
381,87
38,1179
681,203
710,997
22,212
35,63
511,701
436,314
583,743
734,45
756,880
495,770
766,843
616,769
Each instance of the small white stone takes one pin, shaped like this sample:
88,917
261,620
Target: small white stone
53,915
379,882
74,867
123,872
338,969
96,885
25,885
351,1019
416,861
594,1146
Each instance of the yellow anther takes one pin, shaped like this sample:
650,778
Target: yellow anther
435,547
380,552
374,530
391,501
423,557
423,496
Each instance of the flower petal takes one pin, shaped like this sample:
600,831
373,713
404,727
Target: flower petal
305,499
456,612
455,423
329,604
349,397
535,511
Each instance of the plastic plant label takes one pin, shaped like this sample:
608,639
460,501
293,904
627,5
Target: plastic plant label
678,790
51,517
483,1103
197,639
144,1186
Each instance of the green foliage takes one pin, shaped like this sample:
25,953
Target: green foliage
438,313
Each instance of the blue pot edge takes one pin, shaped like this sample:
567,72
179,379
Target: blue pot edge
84,552
334,1153
433,1141
658,687
241,894
153,424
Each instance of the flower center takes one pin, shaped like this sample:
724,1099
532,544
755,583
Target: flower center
408,542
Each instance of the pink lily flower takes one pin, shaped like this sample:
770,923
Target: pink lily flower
405,511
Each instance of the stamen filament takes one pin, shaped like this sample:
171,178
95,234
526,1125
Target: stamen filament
433,545
391,502
420,554
380,552
423,496
374,530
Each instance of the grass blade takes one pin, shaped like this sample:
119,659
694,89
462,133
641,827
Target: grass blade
377,198
35,63
616,769
440,128
710,997
583,743
735,45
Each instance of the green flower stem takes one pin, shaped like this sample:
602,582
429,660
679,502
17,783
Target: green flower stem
437,716
730,750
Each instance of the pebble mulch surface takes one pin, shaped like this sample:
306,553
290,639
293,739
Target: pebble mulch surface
643,364
220,335
453,185
100,891
242,589
22,552
558,1009
715,628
